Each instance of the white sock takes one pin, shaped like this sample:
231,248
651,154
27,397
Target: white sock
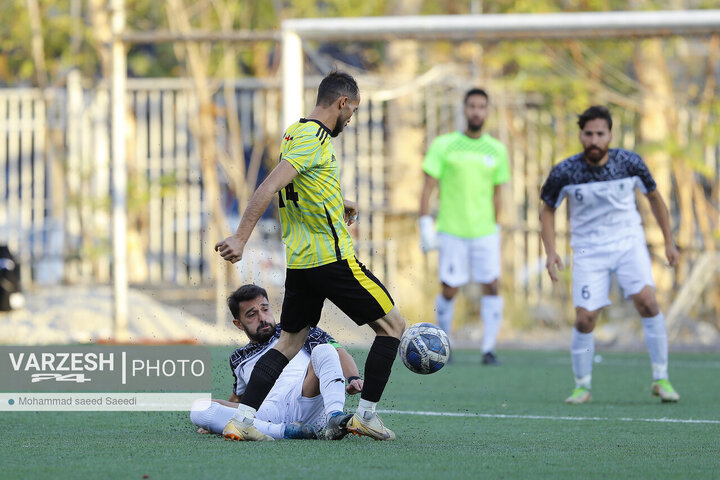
244,414
657,345
444,312
213,417
326,363
582,350
210,415
491,312
275,430
366,408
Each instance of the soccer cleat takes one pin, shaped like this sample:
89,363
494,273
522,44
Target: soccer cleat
300,431
372,427
664,390
489,358
579,395
337,426
243,433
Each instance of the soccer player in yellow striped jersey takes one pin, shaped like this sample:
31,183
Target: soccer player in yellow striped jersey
311,207
470,168
321,263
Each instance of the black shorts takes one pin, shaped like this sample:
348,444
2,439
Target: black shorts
346,283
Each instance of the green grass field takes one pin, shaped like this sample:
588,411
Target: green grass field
501,422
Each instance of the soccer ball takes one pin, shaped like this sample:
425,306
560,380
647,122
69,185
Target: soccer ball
424,348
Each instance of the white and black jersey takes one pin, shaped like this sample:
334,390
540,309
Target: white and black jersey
601,199
243,360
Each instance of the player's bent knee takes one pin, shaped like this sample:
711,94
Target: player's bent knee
646,303
490,288
397,323
391,325
323,350
449,292
649,309
585,322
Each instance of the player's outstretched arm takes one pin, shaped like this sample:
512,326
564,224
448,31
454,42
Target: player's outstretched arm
660,212
350,370
231,249
547,222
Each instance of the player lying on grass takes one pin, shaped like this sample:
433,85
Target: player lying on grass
309,395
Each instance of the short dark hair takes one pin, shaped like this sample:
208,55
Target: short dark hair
593,113
475,91
243,294
336,84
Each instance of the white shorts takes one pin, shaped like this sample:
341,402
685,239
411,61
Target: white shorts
293,407
464,258
592,268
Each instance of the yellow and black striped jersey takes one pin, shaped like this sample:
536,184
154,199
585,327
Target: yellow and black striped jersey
311,207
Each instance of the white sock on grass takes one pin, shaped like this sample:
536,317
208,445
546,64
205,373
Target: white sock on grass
657,345
444,312
582,350
491,312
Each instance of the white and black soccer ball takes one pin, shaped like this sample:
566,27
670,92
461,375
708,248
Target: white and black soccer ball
424,348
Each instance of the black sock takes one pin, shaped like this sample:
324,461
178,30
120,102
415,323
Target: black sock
267,369
378,366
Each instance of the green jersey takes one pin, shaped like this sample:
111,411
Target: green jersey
467,170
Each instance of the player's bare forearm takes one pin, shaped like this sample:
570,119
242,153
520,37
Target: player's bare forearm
547,225
497,202
347,362
350,369
279,178
231,248
255,208
234,398
428,187
660,212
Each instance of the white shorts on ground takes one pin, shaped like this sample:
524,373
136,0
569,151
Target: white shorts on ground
629,260
465,259
293,408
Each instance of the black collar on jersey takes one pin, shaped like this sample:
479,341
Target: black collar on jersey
315,337
305,120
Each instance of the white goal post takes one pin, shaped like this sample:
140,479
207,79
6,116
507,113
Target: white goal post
478,27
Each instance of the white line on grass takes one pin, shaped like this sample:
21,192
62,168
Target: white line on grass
547,417
630,362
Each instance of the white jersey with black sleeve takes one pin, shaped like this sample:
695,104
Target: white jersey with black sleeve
243,360
601,200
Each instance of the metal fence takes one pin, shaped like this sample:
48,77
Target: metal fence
55,178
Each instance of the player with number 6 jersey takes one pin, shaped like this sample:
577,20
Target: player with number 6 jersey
607,237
